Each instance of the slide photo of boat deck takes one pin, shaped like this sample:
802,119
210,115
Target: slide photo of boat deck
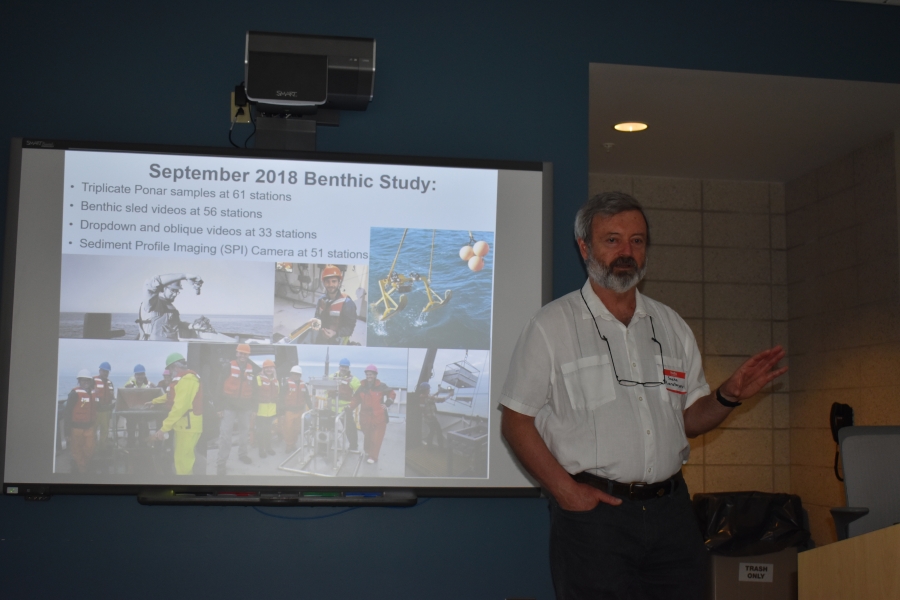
165,299
448,409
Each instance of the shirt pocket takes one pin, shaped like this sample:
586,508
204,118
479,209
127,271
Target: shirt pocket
589,382
674,388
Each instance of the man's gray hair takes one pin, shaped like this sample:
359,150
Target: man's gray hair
606,204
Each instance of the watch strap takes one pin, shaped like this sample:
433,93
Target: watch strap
724,401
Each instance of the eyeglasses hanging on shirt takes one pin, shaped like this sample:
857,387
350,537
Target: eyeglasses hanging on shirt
628,382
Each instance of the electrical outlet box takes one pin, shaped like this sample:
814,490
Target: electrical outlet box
244,117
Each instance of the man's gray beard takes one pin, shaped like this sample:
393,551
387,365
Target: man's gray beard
607,278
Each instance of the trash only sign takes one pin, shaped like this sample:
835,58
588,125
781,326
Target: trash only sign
756,572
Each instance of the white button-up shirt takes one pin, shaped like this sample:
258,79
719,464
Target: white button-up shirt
564,374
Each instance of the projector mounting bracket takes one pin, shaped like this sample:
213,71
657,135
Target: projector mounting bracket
292,132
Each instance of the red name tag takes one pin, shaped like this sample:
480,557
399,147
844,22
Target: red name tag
675,381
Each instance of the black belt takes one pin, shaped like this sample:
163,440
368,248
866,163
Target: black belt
632,491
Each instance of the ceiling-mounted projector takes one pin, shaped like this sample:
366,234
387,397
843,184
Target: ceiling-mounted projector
296,74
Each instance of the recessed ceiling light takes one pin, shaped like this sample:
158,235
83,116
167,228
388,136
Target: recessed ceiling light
631,127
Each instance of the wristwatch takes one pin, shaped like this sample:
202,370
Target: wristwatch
724,401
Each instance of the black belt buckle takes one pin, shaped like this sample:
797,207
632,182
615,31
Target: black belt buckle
632,491
635,489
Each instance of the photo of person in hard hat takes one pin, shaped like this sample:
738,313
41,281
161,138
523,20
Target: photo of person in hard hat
132,412
163,383
81,414
346,408
267,393
139,379
336,311
185,417
320,304
373,397
347,386
167,385
132,425
160,319
105,391
295,399
154,299
237,401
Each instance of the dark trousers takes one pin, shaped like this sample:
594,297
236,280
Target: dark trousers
637,550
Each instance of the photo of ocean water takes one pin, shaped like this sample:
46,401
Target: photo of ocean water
71,324
464,322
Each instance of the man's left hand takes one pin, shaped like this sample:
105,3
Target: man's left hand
754,374
707,413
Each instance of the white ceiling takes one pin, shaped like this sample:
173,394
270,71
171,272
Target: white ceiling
716,125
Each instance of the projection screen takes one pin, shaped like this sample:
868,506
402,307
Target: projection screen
343,320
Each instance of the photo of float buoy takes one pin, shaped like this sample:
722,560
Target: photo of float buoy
448,289
396,282
474,252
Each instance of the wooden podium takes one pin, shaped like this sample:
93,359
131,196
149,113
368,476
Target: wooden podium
866,566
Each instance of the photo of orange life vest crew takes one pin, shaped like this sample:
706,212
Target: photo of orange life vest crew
220,410
126,409
320,304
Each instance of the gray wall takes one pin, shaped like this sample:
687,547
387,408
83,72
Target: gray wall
844,307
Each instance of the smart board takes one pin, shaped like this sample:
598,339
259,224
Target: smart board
207,317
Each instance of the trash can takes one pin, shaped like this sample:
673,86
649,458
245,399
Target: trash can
753,538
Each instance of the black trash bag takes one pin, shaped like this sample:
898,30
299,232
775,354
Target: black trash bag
750,523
